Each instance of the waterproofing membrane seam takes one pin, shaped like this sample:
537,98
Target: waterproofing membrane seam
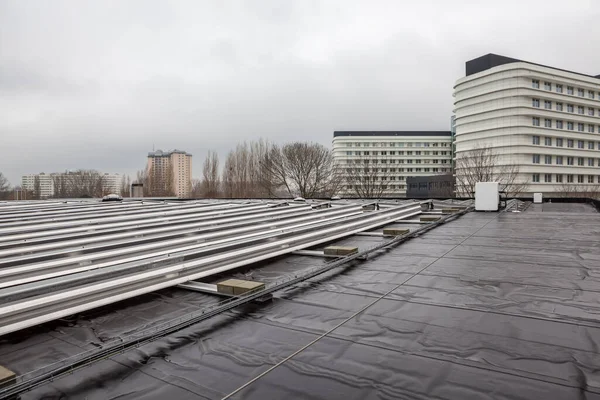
250,382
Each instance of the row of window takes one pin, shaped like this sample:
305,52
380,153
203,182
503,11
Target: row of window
399,153
386,161
559,124
536,158
396,144
390,187
558,178
535,83
570,142
401,170
559,107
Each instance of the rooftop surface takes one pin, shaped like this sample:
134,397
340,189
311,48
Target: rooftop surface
490,305
391,133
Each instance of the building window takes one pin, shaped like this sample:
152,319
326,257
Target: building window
579,178
570,143
535,84
590,178
536,140
559,88
535,102
444,161
417,161
409,153
348,153
559,106
418,153
547,86
570,90
570,126
580,92
559,178
559,160
536,121
590,162
559,124
591,145
591,111
569,178
559,142
580,161
536,158
570,160
548,159
581,110
580,127
547,105
580,144
591,94
536,178
409,161
548,123
547,178
570,108
548,141
591,128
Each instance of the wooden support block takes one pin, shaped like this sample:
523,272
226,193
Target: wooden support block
235,287
450,210
395,231
340,250
7,377
429,219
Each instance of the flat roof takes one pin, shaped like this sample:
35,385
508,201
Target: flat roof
490,303
391,133
491,60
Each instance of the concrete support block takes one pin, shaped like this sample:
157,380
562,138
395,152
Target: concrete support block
7,377
395,231
340,250
235,287
429,218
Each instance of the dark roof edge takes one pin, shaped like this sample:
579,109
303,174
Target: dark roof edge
391,133
491,60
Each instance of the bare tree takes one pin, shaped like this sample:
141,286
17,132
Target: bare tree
368,177
307,169
578,190
243,173
482,165
37,188
125,189
4,187
196,192
210,176
61,185
157,183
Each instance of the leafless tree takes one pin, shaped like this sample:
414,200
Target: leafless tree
367,177
61,185
196,192
37,188
578,190
243,175
157,183
210,176
125,189
301,168
4,187
482,165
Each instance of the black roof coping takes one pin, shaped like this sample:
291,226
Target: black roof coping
391,133
488,61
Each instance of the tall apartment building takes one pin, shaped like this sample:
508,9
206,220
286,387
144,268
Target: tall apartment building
385,159
111,183
171,170
543,120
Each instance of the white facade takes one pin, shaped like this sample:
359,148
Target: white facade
111,183
393,156
543,120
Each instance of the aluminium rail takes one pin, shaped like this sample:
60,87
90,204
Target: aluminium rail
31,380
171,271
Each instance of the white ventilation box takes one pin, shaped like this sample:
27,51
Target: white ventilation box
537,198
487,196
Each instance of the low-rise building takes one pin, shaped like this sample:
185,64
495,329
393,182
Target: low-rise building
376,163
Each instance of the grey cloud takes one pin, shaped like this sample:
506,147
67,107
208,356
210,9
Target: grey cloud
86,84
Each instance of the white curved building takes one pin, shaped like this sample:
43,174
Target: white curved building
544,120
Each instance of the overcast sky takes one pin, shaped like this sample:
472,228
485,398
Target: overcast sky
97,84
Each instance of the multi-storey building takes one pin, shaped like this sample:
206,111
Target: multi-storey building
45,183
376,164
170,172
542,120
